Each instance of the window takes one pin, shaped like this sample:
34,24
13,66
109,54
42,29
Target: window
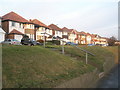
56,32
49,31
30,26
20,25
13,23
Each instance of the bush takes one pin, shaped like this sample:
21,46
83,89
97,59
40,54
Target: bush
40,40
56,42
49,43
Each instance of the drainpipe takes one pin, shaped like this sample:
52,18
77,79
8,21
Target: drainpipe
35,33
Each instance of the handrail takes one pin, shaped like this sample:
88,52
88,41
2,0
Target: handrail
73,45
85,51
81,49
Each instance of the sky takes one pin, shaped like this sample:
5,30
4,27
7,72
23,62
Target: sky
93,16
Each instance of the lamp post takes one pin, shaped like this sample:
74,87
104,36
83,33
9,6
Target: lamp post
63,51
44,40
44,37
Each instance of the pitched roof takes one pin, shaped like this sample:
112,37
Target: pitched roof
82,33
93,36
54,27
36,21
14,31
2,31
74,31
14,17
66,29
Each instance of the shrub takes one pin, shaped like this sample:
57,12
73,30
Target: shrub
40,40
56,42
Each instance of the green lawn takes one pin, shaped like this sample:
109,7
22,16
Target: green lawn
115,51
35,66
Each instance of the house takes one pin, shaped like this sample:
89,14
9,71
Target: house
82,37
88,38
29,30
95,39
13,25
41,29
70,35
2,32
73,36
103,41
57,32
65,34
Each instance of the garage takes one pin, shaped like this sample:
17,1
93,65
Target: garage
18,37
2,35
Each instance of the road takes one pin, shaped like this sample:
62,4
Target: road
110,80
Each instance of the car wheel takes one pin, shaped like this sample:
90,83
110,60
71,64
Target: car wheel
29,44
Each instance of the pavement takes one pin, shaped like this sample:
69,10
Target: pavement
111,80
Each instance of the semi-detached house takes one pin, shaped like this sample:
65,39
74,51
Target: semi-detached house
65,34
42,31
2,32
57,32
16,26
70,35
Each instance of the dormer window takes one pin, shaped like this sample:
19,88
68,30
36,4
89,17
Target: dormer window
13,23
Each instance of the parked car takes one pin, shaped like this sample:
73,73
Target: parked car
11,42
91,44
38,43
98,44
71,43
28,41
104,45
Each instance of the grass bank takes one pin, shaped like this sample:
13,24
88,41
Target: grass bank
38,67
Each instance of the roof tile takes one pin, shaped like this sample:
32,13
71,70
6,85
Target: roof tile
14,31
14,17
54,27
35,21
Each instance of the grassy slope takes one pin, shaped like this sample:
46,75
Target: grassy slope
114,50
25,66
101,54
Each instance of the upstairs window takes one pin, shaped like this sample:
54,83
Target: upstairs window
20,25
56,32
13,23
30,26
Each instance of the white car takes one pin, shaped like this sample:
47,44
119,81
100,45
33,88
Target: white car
11,42
104,45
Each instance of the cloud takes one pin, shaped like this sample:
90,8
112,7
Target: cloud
56,1
106,31
88,15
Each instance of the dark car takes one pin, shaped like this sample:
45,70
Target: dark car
28,41
38,43
71,43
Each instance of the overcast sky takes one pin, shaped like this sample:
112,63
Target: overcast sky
93,16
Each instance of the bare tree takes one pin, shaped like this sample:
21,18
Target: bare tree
111,41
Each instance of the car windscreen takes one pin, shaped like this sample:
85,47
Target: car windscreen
8,40
15,40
